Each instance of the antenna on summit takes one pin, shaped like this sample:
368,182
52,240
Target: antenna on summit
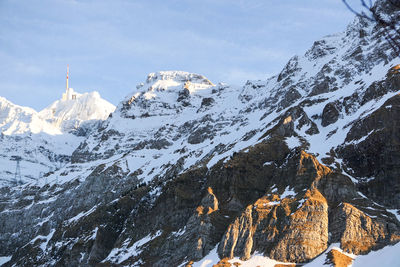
69,92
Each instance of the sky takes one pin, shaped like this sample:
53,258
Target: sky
111,46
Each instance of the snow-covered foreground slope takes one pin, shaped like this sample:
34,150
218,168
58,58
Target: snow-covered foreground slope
185,172
45,140
384,257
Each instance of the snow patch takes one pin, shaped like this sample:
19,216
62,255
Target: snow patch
292,142
288,193
4,259
272,203
268,163
257,259
45,239
209,260
119,255
388,256
395,213
82,214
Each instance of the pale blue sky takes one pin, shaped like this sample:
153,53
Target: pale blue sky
112,45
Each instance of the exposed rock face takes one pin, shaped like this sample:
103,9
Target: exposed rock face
285,226
323,84
372,150
361,233
296,228
330,114
338,259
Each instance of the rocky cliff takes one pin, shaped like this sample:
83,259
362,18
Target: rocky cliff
299,169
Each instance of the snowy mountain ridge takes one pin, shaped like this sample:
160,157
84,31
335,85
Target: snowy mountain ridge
168,116
165,92
69,114
45,140
61,116
17,120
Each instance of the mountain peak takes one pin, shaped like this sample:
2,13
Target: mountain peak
165,92
173,81
178,76
17,120
69,113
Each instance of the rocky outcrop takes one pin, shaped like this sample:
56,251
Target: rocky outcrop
338,259
359,232
300,227
330,114
272,229
293,120
372,152
323,84
276,227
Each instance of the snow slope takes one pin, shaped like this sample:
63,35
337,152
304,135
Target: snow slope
256,260
17,120
176,115
45,140
384,257
70,114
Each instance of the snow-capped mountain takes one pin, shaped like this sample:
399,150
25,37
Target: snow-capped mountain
301,168
17,120
69,114
45,140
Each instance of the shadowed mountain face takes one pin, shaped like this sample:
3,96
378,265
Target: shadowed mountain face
185,171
